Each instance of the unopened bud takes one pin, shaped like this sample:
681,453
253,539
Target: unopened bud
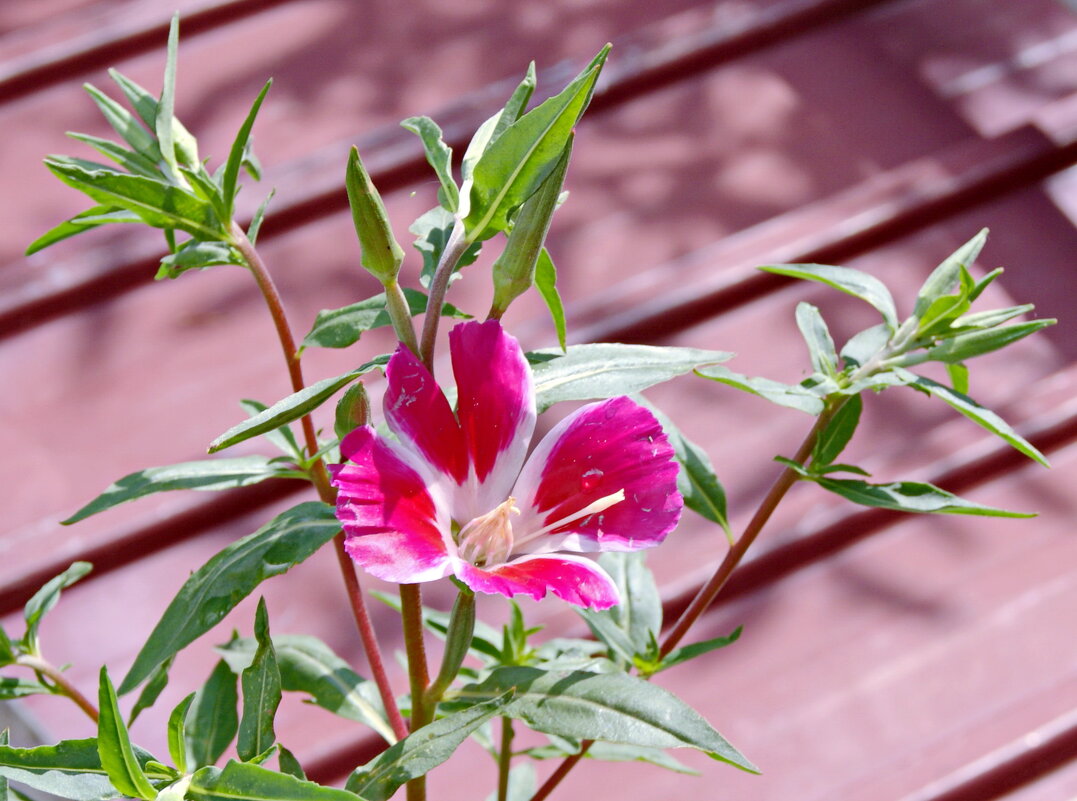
353,410
381,253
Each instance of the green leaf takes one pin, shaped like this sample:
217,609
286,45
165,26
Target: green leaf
7,649
128,159
515,269
340,328
114,746
166,105
432,231
976,343
589,372
687,652
944,277
853,282
308,665
230,576
789,395
151,692
292,408
484,639
991,317
197,255
261,693
69,769
282,438
619,752
289,764
85,221
245,782
124,123
837,433
909,496
158,204
979,415
45,599
213,719
145,106
546,284
865,344
696,480
177,733
495,126
259,216
940,314
11,688
206,474
522,784
438,155
630,626
817,336
515,164
959,377
236,154
421,752
614,707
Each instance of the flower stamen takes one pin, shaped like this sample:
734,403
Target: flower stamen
592,508
488,538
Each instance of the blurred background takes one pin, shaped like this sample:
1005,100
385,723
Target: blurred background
883,657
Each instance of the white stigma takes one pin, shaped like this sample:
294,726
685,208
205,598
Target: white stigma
487,539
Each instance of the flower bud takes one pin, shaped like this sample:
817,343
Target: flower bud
381,253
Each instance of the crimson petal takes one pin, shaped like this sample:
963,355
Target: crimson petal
392,523
571,578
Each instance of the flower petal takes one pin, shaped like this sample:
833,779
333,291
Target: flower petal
392,524
571,578
496,402
592,454
417,412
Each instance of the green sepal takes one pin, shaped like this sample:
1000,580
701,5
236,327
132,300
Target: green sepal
114,747
380,253
292,407
439,156
45,599
514,165
606,370
213,720
421,752
232,574
261,693
514,270
206,474
853,282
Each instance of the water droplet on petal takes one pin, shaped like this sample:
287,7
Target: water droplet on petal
590,479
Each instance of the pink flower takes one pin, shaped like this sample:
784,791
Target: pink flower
454,494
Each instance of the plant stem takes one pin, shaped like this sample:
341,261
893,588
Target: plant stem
504,759
320,477
454,250
411,610
400,314
65,687
709,591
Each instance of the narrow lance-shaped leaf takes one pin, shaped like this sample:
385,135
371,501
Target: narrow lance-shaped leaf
687,652
788,395
166,105
517,163
853,282
817,336
380,253
215,588
235,155
261,693
213,719
438,155
909,496
12,688
114,746
46,598
246,782
959,377
614,707
289,764
128,159
69,769
944,277
292,408
151,691
977,343
282,438
207,474
85,221
980,415
308,665
197,255
259,216
421,752
546,284
145,106
492,128
124,123
177,734
590,372
514,270
629,626
837,433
